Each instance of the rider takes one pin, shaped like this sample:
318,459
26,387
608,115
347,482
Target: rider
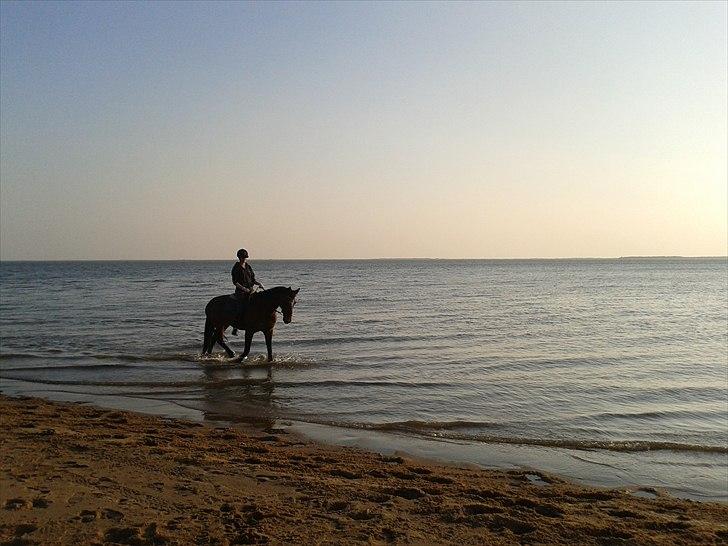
244,281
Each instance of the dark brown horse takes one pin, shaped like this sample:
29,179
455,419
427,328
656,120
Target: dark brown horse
260,316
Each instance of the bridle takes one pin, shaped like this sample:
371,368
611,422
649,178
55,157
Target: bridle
292,305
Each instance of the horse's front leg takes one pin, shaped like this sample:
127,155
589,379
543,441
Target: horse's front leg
248,341
269,343
221,341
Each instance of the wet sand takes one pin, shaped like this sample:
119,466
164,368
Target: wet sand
75,474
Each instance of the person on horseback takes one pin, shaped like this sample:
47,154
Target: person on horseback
244,281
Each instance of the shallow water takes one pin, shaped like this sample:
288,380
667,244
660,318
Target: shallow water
574,366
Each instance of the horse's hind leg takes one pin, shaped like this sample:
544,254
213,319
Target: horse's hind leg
221,341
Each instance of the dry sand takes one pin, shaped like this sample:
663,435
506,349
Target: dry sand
74,474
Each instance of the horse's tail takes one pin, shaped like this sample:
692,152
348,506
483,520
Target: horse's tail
208,340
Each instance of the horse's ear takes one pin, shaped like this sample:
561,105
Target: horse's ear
295,292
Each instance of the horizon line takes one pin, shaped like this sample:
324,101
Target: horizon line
629,257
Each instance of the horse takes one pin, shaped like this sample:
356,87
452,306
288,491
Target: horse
260,316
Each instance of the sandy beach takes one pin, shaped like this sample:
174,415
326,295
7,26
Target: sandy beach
74,474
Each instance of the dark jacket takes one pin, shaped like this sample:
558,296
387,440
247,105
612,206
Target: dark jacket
244,276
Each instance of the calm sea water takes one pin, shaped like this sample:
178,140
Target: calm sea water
612,368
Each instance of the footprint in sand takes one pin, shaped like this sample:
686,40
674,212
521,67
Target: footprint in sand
124,535
17,504
24,529
403,475
409,493
338,505
87,516
439,479
478,509
20,538
341,473
75,464
514,525
114,515
363,515
40,502
380,498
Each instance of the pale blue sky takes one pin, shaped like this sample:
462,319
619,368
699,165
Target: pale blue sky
325,130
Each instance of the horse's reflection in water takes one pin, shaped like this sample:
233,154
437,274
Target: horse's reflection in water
239,395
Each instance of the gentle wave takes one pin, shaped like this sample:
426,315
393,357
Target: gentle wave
70,367
430,425
356,384
447,430
282,360
206,383
376,338
210,384
642,414
163,357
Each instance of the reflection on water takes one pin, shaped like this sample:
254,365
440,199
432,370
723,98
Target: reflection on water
249,401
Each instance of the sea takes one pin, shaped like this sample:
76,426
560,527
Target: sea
609,372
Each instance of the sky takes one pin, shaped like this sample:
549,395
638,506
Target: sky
362,130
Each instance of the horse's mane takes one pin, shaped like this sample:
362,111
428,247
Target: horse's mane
272,293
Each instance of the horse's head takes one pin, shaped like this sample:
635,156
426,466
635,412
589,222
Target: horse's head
287,303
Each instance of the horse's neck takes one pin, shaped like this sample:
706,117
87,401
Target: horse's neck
270,299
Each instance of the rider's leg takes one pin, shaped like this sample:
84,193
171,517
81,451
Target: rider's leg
241,309
243,305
